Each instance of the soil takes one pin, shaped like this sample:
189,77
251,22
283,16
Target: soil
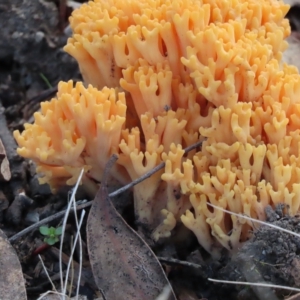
32,62
271,256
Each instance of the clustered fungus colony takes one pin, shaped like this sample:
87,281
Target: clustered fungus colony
161,75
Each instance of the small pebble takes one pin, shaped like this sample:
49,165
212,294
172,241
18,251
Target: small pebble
39,36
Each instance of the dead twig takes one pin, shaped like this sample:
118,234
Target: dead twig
15,161
88,204
174,261
17,182
258,284
294,297
33,103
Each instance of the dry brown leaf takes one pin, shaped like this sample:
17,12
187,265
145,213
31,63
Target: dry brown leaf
4,164
123,265
12,285
294,297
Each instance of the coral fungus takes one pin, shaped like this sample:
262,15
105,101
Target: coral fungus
169,73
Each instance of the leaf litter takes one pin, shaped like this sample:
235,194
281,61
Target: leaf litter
12,285
4,163
123,265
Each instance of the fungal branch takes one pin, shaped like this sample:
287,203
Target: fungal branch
234,95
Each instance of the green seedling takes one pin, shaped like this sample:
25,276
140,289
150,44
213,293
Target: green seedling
51,234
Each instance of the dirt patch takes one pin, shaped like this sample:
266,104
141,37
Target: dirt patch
31,54
271,256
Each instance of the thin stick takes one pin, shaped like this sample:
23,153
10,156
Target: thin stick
48,293
255,220
47,220
174,261
72,269
165,294
80,263
150,173
80,254
78,236
67,212
88,204
47,274
256,284
72,254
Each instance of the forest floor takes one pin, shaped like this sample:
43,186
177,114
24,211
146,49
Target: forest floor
32,62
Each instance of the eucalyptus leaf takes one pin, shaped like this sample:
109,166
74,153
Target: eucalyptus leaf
123,265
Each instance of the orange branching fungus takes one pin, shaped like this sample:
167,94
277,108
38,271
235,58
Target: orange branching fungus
169,73
139,158
81,128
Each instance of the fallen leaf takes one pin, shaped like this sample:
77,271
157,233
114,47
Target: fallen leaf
294,297
12,284
4,164
123,265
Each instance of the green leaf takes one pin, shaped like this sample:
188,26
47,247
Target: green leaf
58,230
51,241
52,232
44,230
